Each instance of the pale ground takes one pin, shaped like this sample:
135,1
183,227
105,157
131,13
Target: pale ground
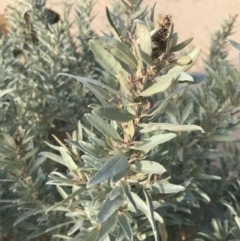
192,18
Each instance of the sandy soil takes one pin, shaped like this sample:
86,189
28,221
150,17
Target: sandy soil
192,18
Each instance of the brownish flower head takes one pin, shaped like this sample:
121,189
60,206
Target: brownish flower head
164,21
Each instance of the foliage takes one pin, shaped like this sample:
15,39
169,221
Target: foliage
210,162
154,160
40,97
35,103
116,184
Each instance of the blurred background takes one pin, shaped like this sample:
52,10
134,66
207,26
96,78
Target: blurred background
192,18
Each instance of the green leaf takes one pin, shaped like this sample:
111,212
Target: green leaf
167,126
181,45
31,153
166,188
103,126
162,84
120,175
149,23
68,160
193,55
151,142
61,192
147,167
105,58
184,60
91,161
124,223
145,57
118,49
169,38
187,111
88,148
124,83
138,14
106,227
27,140
5,92
53,157
145,40
120,234
112,26
152,12
111,167
77,226
67,198
220,138
29,213
141,205
115,192
202,194
93,85
160,106
61,179
37,163
109,207
9,141
92,236
151,214
234,44
117,114
207,177
127,192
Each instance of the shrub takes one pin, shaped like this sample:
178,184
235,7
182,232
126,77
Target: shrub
139,167
209,163
116,184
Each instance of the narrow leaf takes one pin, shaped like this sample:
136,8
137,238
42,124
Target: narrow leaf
151,214
68,160
145,40
151,142
53,157
193,55
106,227
220,138
187,111
109,207
147,167
207,177
160,106
234,44
166,188
181,45
167,126
112,26
118,49
117,114
124,223
141,205
103,126
127,192
184,60
91,236
162,84
115,192
105,58
114,165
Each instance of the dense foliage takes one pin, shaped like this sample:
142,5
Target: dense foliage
151,155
